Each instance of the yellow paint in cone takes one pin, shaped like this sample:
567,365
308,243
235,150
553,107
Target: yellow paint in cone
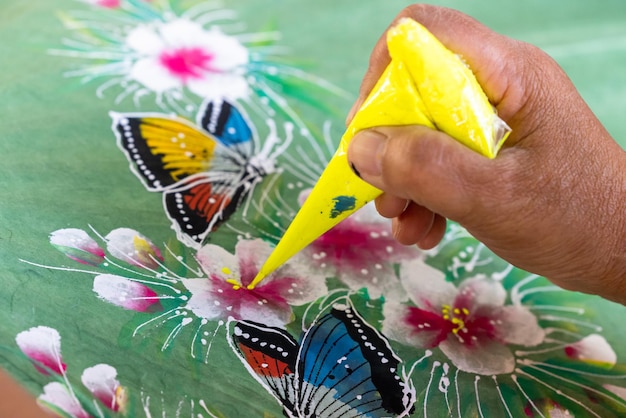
424,84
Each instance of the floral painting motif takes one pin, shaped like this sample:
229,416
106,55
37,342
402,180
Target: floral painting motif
182,56
140,279
470,325
453,341
354,325
42,345
181,53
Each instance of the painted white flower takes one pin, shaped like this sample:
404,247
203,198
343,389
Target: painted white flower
181,53
42,345
471,325
58,398
133,248
224,293
184,56
101,380
77,245
126,293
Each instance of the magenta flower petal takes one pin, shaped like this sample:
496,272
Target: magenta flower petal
77,245
126,293
109,4
43,346
224,293
432,327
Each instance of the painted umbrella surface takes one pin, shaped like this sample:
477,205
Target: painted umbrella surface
153,153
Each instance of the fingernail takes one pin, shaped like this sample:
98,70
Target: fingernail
366,150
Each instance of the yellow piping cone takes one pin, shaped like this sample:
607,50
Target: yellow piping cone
424,84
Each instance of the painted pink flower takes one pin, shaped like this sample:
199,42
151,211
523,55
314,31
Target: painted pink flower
132,247
101,380
109,4
470,325
77,245
126,293
361,251
224,293
58,399
181,53
593,349
42,345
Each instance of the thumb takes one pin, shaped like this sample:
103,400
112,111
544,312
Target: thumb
433,170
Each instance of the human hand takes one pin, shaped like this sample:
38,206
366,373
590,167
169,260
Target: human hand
551,203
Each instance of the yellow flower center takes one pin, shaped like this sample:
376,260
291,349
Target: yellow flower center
456,316
234,282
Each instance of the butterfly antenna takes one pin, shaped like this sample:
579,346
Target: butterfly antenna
286,143
266,192
267,217
317,167
271,141
302,172
246,205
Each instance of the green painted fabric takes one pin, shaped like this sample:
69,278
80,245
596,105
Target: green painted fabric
153,152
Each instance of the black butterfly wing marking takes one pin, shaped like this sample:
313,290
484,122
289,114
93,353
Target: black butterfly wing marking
270,356
197,210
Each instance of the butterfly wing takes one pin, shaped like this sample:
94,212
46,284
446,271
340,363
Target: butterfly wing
202,172
201,207
346,368
164,150
270,356
228,124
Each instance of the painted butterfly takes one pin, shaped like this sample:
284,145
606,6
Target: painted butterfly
205,172
342,368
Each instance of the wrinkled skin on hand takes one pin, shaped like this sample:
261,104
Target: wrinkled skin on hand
551,203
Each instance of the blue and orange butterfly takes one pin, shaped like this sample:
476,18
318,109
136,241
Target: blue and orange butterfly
205,172
342,367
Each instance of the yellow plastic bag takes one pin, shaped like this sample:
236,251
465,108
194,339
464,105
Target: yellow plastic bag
424,84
